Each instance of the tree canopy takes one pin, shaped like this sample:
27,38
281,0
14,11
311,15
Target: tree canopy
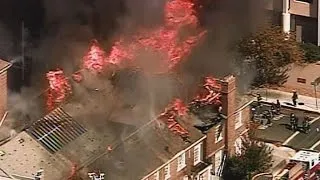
311,52
255,157
268,52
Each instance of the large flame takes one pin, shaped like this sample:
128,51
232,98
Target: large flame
59,88
166,40
175,110
95,58
210,94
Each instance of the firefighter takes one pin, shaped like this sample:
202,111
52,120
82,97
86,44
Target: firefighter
259,98
269,116
253,113
306,124
278,106
296,121
220,112
293,122
294,97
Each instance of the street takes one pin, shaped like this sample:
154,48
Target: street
280,130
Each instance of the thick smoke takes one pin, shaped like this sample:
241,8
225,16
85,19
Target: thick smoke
227,22
6,42
70,25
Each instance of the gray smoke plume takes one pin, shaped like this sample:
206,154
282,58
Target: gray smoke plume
139,97
6,42
227,22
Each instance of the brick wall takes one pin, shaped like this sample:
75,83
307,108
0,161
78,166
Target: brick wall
174,174
3,93
228,107
231,132
211,146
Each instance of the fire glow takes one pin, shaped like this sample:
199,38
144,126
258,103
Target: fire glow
59,88
178,109
211,95
175,110
167,41
164,40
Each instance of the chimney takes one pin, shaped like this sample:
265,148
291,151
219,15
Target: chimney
4,66
228,98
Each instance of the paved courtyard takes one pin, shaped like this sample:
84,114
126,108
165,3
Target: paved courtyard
280,130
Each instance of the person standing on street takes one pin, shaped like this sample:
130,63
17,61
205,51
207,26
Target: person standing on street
293,122
278,107
294,97
259,98
306,124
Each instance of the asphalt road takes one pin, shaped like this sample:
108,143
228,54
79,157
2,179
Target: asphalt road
280,130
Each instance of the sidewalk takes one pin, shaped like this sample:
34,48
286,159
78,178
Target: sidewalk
271,96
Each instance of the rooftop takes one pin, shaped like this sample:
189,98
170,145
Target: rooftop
109,120
24,157
4,65
123,121
151,146
305,156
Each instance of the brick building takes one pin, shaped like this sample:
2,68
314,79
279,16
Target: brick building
4,66
204,158
301,16
152,152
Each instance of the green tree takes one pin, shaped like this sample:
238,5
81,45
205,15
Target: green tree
255,157
267,53
311,52
234,169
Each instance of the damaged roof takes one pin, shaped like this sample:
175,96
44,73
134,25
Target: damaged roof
144,150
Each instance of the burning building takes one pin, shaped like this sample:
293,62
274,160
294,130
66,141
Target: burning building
178,142
4,66
92,123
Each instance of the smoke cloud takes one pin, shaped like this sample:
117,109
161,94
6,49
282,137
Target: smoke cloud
227,22
70,25
6,42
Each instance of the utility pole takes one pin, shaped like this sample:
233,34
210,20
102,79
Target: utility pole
22,50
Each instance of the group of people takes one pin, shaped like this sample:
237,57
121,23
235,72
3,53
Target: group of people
275,110
294,98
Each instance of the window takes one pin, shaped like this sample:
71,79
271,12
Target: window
197,154
181,161
238,145
156,176
167,172
217,161
238,120
218,133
